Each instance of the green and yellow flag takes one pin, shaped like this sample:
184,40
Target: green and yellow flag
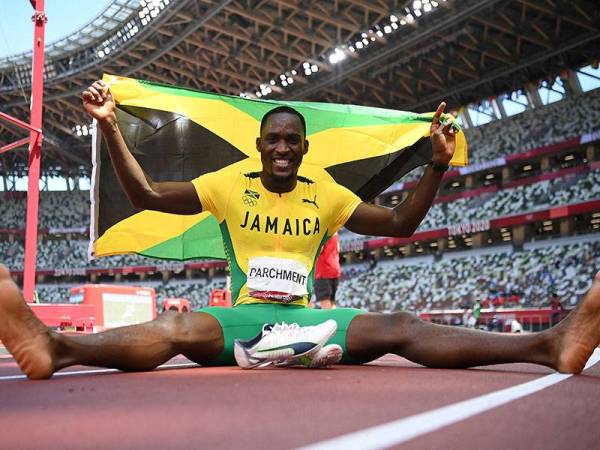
179,134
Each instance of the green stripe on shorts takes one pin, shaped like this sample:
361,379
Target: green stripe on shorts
246,321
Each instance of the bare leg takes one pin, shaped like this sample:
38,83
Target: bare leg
565,348
40,352
327,303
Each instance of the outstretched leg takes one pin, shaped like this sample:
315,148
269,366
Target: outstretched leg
40,352
565,348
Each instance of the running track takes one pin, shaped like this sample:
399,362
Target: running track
388,404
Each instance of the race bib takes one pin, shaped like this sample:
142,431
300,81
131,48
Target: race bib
276,278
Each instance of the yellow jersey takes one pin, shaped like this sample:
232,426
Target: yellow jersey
272,240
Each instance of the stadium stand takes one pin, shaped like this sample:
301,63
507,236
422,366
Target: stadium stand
559,191
499,274
531,129
58,209
534,128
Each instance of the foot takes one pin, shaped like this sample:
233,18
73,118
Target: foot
25,337
322,358
579,332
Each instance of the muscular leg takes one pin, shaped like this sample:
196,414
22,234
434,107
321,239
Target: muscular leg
565,347
40,352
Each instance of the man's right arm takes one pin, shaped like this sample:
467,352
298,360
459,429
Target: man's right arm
169,196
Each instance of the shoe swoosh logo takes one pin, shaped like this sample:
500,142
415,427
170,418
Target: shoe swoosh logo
297,347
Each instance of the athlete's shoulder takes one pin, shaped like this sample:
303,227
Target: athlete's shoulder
310,174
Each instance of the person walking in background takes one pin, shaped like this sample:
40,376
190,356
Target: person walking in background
327,273
477,311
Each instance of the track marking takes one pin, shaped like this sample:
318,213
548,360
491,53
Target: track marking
402,430
97,371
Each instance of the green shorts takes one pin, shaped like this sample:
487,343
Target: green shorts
246,321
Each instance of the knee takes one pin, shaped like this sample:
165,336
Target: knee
190,328
403,320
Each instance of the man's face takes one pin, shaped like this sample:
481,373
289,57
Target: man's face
282,145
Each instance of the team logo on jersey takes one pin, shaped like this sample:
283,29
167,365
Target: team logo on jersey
250,198
313,201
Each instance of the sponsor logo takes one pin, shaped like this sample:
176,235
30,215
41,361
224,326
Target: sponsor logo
313,202
250,198
297,348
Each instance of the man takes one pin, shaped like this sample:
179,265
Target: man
477,311
284,233
327,272
556,309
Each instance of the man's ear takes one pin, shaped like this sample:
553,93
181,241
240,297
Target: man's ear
305,147
258,144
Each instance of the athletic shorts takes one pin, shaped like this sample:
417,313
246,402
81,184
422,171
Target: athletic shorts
246,321
325,288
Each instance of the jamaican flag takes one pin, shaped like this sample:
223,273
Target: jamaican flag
179,134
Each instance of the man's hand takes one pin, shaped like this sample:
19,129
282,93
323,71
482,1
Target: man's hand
443,137
98,101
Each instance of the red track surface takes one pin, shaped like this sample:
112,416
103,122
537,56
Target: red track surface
286,408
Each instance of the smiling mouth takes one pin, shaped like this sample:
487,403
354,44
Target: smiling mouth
282,163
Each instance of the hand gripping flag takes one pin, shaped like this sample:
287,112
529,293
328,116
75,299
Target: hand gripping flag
179,134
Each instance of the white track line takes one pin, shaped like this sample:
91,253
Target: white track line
97,371
402,430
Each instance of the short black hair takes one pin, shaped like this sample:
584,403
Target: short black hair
282,109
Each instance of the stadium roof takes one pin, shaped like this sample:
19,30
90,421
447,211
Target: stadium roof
396,54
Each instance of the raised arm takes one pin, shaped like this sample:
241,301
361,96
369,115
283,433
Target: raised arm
404,219
169,196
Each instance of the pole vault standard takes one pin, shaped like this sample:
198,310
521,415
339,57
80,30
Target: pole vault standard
35,146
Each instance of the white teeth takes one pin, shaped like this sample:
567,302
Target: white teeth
281,162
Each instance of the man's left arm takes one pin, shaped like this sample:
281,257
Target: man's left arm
404,219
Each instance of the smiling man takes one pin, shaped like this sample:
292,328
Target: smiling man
274,222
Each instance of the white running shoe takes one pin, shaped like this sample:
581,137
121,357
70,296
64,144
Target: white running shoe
279,342
322,358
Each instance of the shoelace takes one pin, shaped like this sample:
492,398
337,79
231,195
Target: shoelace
282,328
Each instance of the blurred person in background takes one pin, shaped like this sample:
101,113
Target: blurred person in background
327,273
